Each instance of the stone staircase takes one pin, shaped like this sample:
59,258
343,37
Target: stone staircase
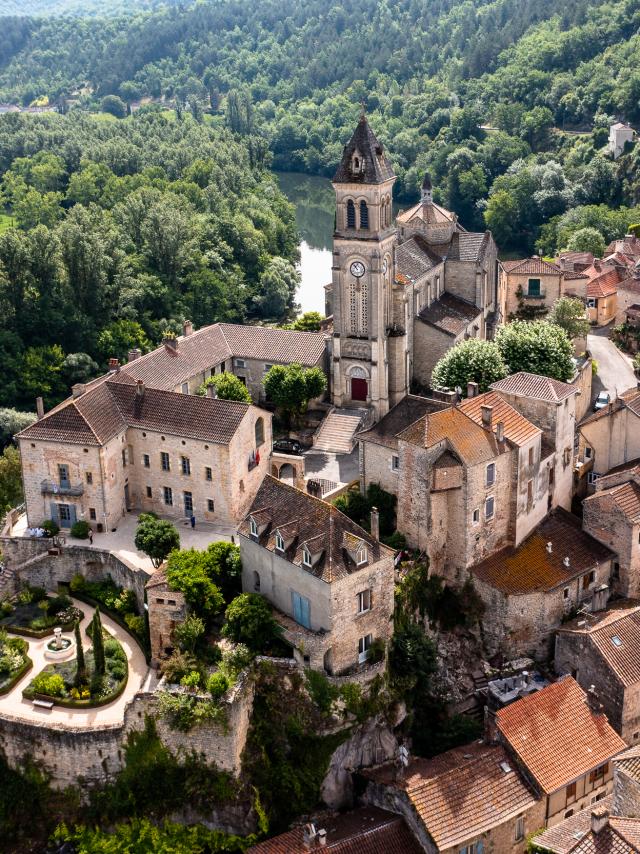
336,434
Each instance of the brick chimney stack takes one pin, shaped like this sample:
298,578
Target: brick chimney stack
472,389
114,365
140,389
500,431
187,328
375,523
487,417
170,343
134,354
39,408
77,389
599,820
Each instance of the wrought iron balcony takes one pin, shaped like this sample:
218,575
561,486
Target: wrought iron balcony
49,487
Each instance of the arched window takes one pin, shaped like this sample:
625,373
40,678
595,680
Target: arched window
364,215
259,432
351,214
256,581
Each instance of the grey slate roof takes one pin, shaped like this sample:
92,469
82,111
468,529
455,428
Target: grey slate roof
449,314
377,169
414,258
468,246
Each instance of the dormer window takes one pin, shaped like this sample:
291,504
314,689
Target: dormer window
279,543
361,556
253,528
306,557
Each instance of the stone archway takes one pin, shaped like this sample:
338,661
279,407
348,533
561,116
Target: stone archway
288,474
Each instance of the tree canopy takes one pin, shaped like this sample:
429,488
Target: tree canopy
227,387
291,387
470,361
157,538
540,348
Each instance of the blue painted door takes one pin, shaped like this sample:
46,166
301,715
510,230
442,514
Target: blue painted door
301,610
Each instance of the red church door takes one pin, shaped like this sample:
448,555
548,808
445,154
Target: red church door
358,389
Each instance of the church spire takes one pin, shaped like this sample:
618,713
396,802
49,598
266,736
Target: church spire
363,159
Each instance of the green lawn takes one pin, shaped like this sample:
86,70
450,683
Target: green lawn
6,222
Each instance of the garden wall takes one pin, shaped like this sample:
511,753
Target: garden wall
92,755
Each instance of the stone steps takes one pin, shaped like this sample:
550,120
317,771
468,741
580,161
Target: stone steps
337,432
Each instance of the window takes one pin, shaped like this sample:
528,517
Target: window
168,496
565,593
185,464
301,609
529,493
259,431
92,513
571,792
63,475
395,463
591,303
351,214
187,500
616,569
279,542
149,492
491,474
208,474
306,557
473,848
588,579
124,456
210,505
552,475
363,648
364,601
185,388
361,556
587,453
533,288
592,477
596,776
64,514
267,368
165,462
89,477
146,461
530,456
489,506
519,834
364,215
256,581
253,528
476,516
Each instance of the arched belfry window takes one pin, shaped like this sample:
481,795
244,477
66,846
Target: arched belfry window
364,215
351,214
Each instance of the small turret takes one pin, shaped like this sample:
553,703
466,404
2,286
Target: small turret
427,189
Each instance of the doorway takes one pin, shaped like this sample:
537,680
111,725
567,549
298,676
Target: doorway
359,389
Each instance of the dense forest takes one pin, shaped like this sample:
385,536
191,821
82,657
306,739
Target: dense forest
120,230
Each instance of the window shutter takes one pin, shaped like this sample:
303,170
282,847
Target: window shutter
54,513
73,514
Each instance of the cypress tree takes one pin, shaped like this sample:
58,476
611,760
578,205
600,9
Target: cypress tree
81,665
98,644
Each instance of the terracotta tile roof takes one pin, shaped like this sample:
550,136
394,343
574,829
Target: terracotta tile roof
531,567
561,838
410,409
277,504
535,386
517,428
377,168
208,347
570,275
471,443
532,266
572,258
575,836
624,245
625,498
608,841
615,637
461,793
428,212
110,407
414,258
556,735
367,830
604,285
631,399
450,314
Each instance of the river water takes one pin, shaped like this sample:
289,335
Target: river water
314,201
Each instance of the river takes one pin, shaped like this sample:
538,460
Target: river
314,201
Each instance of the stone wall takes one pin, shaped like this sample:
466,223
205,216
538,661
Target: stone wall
615,530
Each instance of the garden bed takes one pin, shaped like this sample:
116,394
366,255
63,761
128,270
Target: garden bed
56,683
35,615
11,670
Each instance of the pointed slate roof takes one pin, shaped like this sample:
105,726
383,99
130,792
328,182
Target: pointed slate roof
377,169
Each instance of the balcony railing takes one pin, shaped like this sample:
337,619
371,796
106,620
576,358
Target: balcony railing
49,487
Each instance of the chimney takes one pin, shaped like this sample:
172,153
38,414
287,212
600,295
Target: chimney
593,701
309,836
134,354
39,407
187,328
472,389
114,365
550,547
566,561
212,391
77,389
487,420
375,523
599,820
322,838
170,343
500,431
140,389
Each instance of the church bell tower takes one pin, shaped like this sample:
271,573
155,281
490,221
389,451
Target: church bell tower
363,270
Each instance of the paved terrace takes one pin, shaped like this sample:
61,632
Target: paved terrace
120,542
14,705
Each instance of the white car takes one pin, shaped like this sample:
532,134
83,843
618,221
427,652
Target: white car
602,400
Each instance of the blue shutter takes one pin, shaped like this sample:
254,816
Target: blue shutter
297,606
306,622
73,514
54,513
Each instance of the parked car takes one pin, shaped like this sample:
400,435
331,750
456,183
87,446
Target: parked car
287,446
602,400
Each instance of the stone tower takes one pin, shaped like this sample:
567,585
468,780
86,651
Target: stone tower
363,272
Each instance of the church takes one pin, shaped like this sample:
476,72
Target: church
403,292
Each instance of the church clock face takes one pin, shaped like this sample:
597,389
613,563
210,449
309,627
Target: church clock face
357,269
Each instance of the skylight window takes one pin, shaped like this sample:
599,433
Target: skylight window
505,767
615,640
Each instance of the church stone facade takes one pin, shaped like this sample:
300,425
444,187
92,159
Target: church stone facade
403,292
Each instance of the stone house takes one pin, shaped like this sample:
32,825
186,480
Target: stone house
166,609
531,285
591,831
602,297
574,262
619,135
528,590
117,445
562,746
182,364
330,582
609,438
612,516
603,651
469,799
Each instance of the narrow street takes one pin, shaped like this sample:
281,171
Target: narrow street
615,373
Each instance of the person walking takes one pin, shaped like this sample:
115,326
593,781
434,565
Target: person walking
90,536
193,521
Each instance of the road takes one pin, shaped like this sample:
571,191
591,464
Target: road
615,373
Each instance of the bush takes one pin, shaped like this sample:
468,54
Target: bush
58,603
217,685
117,669
177,666
321,691
77,583
249,620
189,633
51,528
113,650
6,608
50,684
80,529
396,541
235,660
32,594
135,625
190,571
